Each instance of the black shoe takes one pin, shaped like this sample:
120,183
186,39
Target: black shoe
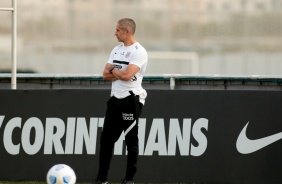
124,181
96,181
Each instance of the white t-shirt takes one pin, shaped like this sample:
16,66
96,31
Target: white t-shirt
122,56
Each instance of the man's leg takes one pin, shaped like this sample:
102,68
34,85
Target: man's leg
110,134
132,142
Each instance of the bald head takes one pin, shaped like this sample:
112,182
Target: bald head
127,24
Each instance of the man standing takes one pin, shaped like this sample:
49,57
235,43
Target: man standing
125,68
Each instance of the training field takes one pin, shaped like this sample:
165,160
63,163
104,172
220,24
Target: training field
27,182
24,182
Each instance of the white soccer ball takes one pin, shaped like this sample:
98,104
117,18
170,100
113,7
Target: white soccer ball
61,174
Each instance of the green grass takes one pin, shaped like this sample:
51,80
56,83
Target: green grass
27,182
21,182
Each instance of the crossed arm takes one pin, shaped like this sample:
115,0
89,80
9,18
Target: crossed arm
116,74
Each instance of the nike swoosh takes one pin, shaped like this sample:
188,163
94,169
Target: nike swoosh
245,145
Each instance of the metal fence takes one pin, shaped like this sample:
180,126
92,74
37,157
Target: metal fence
150,81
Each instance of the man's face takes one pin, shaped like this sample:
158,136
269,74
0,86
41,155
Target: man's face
121,34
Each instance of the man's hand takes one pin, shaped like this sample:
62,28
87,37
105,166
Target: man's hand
107,75
127,74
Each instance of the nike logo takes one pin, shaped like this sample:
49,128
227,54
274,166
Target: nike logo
245,145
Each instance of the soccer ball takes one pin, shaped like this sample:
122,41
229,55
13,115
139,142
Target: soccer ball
61,174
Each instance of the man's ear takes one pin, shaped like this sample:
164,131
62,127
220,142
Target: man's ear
127,31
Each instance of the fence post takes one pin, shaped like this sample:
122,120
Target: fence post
14,43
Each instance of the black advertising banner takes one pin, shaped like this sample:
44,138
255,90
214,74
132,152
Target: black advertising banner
184,136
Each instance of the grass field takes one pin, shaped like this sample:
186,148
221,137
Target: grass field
26,182
22,182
